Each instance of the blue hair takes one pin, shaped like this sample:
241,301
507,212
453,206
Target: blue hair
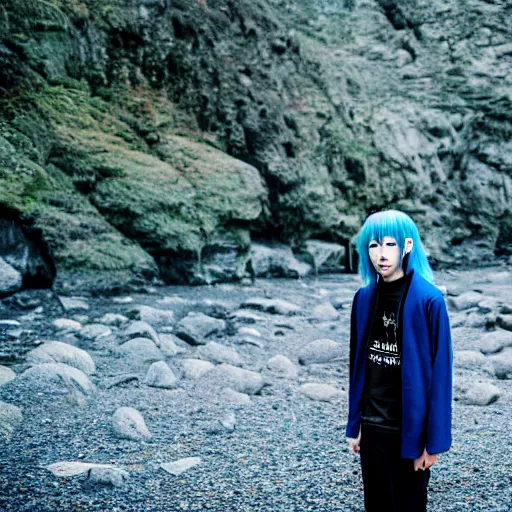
400,226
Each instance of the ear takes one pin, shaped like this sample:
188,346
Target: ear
408,245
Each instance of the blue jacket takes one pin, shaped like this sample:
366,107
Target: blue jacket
426,366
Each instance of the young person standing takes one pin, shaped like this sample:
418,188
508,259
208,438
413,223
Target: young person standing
400,366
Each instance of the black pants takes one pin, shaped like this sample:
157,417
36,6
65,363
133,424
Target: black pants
390,482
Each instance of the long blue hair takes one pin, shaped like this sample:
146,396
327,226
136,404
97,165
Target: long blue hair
400,226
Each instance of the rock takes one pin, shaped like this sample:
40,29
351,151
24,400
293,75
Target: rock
10,279
74,303
6,375
161,376
274,306
48,380
481,393
223,425
67,324
324,256
8,324
95,332
465,300
249,331
218,353
114,477
120,379
196,327
152,316
231,396
504,321
139,329
122,300
247,317
488,306
74,468
168,345
239,379
276,260
321,392
495,341
10,418
342,301
114,319
194,368
282,367
128,423
321,351
58,352
472,360
140,350
177,467
502,364
325,312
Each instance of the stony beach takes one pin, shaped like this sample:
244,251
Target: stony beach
229,398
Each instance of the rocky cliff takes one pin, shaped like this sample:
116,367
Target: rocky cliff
159,138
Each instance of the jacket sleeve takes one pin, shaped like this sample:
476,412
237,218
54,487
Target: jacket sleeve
353,416
439,421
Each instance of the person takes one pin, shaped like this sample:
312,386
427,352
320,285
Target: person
400,388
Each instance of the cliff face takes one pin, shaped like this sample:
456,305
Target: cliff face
155,133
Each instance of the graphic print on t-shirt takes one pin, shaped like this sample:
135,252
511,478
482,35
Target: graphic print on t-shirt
384,351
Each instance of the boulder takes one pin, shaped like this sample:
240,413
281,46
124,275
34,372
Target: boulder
140,350
281,366
325,311
10,418
95,332
10,279
170,345
324,256
472,360
502,364
58,352
161,376
218,353
49,380
481,393
196,327
276,260
139,329
113,477
465,301
152,316
504,321
273,306
239,379
495,341
321,351
321,392
128,423
194,368
6,375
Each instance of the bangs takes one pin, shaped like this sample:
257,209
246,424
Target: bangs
398,225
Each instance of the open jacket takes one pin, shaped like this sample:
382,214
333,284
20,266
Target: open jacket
426,365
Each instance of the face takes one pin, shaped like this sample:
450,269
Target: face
386,257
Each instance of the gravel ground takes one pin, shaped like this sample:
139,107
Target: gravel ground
287,452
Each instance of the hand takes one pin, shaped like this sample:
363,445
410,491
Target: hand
425,461
353,444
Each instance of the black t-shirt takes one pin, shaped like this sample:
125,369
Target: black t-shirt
383,384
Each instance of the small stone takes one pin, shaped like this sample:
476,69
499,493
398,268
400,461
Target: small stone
502,364
128,423
122,300
10,418
325,312
472,360
74,468
273,306
196,327
466,300
241,380
114,319
321,351
169,345
74,303
95,332
152,316
177,467
495,341
218,353
139,329
281,366
231,396
504,321
7,324
114,477
249,331
481,393
67,324
225,424
321,392
140,350
6,375
194,368
161,376
58,352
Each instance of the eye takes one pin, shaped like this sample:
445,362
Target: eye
391,244
373,245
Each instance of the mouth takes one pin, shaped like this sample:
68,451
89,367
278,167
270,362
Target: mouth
384,267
